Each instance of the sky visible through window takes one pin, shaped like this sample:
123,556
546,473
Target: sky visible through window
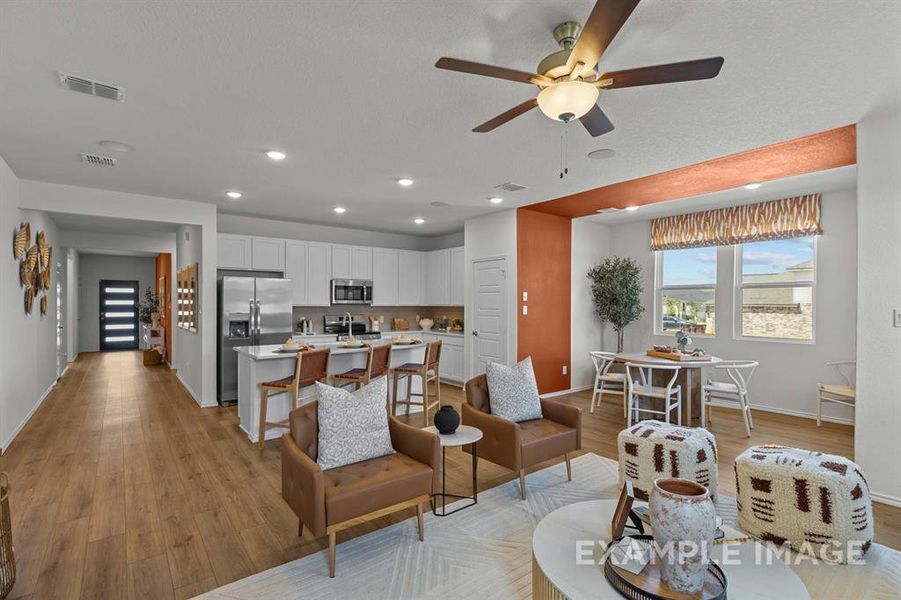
697,266
775,256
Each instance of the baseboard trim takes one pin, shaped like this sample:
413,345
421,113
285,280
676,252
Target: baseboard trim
187,387
12,436
565,392
885,499
787,411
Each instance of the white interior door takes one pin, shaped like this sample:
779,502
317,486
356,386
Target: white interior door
489,325
61,349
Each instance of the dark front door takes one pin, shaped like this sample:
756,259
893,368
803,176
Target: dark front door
118,315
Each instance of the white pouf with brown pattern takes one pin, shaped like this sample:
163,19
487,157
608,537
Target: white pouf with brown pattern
818,503
650,450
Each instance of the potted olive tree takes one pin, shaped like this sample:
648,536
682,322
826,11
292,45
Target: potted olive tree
616,291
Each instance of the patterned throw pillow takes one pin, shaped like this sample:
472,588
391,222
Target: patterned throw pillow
513,392
353,426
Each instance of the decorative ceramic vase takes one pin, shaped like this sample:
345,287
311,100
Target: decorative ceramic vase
684,522
426,324
447,419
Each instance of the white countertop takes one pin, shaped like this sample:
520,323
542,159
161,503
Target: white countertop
411,332
268,352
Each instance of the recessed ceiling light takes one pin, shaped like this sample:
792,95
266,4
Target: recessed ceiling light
234,195
276,155
495,200
602,153
752,186
419,221
340,210
632,208
116,146
405,182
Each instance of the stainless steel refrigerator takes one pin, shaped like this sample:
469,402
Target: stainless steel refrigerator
253,311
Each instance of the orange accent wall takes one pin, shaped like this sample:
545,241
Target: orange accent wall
809,154
543,269
164,269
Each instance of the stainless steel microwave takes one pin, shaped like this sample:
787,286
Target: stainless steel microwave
351,291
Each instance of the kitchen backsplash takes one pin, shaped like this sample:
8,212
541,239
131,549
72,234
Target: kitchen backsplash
388,312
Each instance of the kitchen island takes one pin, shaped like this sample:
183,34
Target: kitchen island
257,364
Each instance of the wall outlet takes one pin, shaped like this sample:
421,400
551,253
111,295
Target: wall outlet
565,368
525,309
897,317
525,296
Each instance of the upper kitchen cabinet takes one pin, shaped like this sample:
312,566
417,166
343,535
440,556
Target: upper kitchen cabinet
351,262
234,251
384,277
319,274
437,277
296,269
268,254
410,280
457,271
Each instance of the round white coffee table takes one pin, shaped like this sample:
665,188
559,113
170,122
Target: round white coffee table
575,530
464,434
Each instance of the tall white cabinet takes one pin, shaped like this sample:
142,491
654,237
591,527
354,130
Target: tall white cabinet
437,278
308,266
410,279
351,262
385,277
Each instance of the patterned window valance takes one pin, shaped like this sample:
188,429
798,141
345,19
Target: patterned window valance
773,220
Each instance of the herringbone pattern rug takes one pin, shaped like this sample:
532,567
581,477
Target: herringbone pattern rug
484,552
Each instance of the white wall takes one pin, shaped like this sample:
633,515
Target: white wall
96,267
312,232
71,305
189,248
28,351
878,443
590,245
55,198
788,373
492,235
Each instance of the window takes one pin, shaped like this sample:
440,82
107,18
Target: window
775,284
686,289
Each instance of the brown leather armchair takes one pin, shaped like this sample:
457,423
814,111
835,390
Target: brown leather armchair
518,446
332,500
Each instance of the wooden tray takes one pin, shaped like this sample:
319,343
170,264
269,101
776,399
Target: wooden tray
677,356
649,583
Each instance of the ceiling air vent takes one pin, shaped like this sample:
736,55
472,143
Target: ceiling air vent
610,210
94,88
98,160
510,187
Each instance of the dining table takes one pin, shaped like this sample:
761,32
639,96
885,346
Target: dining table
690,379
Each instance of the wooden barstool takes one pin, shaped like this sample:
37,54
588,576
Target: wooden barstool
311,366
377,359
428,372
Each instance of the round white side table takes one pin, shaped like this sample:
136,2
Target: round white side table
577,528
464,434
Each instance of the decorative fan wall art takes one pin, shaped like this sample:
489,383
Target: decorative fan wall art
34,266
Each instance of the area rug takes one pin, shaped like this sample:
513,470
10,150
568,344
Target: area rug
484,552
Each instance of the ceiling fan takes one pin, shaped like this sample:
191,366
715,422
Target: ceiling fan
569,85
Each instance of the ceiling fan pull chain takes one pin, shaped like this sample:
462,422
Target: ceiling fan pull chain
566,148
561,156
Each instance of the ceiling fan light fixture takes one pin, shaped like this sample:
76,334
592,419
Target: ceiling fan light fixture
572,99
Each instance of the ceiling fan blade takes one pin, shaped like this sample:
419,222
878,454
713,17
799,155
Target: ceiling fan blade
690,70
606,19
596,122
507,116
474,68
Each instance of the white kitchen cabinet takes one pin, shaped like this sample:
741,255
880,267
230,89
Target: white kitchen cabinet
234,251
319,274
268,254
351,262
456,277
410,277
384,277
437,278
296,269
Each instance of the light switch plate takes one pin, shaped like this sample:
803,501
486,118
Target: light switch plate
897,317
525,310
525,296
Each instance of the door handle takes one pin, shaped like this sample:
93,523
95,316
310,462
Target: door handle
252,325
475,333
258,322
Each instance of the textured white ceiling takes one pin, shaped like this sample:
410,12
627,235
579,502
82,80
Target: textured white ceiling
349,91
